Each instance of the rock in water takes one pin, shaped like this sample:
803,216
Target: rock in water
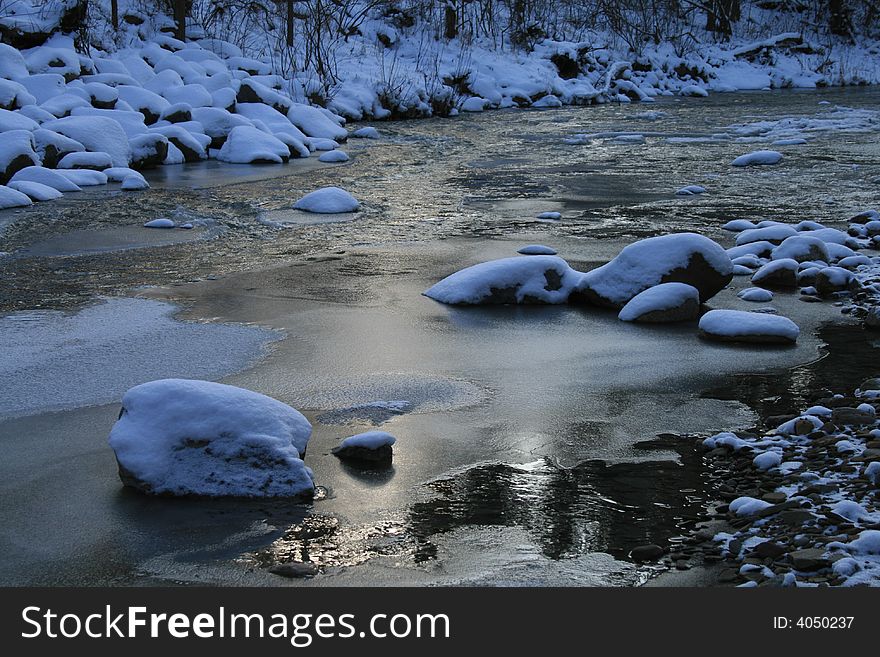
667,302
370,447
833,279
741,326
521,279
777,274
178,437
328,200
644,553
681,258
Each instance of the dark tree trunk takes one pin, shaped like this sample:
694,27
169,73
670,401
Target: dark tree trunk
180,19
114,14
450,17
721,15
290,23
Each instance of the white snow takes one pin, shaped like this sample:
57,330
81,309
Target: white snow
690,190
774,233
738,225
96,160
84,177
334,156
12,198
162,222
758,158
367,132
369,440
643,264
748,506
537,249
96,133
801,247
46,177
738,323
328,200
35,191
246,144
523,276
474,104
553,216
767,460
755,294
665,296
186,437
134,183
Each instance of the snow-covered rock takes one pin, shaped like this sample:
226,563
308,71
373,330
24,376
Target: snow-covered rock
315,122
328,200
833,279
16,152
86,160
162,222
550,216
97,134
741,326
667,302
756,294
369,447
12,198
775,234
536,249
690,190
680,258
367,132
180,437
756,158
35,191
801,248
518,280
84,177
46,177
248,145
777,274
334,156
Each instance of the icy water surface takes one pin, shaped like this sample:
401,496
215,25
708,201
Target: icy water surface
518,457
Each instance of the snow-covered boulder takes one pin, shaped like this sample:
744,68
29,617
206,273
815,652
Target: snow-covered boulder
86,160
757,158
246,144
801,248
148,103
833,279
741,326
334,156
35,191
17,151
474,104
774,234
368,447
16,121
681,258
521,279
328,200
180,437
97,134
667,302
536,249
367,132
46,177
84,177
148,151
193,148
738,225
52,147
777,274
315,122
12,198
755,294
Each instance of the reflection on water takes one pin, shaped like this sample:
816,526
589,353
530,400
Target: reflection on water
592,507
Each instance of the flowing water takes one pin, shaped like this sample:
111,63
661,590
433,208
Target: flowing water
521,454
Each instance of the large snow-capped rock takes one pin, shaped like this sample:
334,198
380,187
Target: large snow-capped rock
667,302
802,248
247,145
742,326
17,151
521,279
328,200
681,258
182,437
96,133
46,177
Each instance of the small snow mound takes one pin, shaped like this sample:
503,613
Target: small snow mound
758,158
12,198
667,302
134,183
552,216
334,156
368,132
369,440
159,223
537,249
755,294
328,200
690,190
748,506
474,104
741,326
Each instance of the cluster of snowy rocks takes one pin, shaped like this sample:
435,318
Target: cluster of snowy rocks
669,278
182,438
69,121
802,499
